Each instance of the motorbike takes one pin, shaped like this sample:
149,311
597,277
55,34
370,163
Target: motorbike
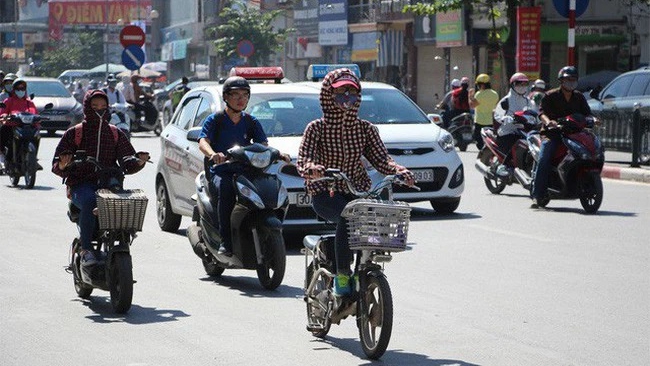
256,220
24,143
121,114
377,228
576,164
491,157
147,118
461,128
120,215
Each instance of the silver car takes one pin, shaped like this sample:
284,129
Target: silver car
66,111
284,110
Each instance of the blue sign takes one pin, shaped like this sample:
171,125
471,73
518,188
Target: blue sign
562,7
133,57
319,71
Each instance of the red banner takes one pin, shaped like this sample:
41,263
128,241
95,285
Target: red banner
528,42
96,12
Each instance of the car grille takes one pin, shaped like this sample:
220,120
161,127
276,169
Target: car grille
53,112
439,176
50,125
416,151
302,213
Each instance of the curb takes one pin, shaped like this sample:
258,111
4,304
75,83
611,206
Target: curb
631,174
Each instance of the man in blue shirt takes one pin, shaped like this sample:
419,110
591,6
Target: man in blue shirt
220,132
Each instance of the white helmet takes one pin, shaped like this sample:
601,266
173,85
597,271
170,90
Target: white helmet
540,84
455,83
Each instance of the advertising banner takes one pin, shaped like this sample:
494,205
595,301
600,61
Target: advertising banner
450,31
364,46
332,22
528,40
97,12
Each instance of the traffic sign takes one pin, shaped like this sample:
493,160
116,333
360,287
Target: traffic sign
132,35
245,48
562,7
133,57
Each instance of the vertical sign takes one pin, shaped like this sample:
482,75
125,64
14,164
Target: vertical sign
332,22
528,42
449,29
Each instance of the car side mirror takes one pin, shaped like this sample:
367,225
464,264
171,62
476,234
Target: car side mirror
31,96
193,133
595,92
49,106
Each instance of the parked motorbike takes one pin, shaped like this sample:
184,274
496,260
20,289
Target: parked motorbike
376,229
256,220
24,143
121,114
491,157
577,163
120,215
461,128
147,118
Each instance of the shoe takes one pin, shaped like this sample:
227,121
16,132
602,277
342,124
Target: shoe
503,171
225,252
535,203
88,258
2,163
342,285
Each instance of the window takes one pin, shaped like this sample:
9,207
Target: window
283,114
47,89
639,85
187,113
389,106
205,109
618,88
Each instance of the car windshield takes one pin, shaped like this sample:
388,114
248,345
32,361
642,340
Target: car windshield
289,114
47,89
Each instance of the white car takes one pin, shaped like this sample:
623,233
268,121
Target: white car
284,110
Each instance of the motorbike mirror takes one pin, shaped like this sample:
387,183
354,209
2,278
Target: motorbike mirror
31,96
49,106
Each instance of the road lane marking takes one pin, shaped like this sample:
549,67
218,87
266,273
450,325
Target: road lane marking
513,233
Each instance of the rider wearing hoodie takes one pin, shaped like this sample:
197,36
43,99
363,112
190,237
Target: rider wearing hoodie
338,140
17,102
97,140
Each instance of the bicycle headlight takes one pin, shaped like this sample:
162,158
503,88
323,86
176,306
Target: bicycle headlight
259,159
250,194
446,142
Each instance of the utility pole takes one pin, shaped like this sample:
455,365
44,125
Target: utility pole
16,35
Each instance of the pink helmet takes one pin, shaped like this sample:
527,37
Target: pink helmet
464,80
518,76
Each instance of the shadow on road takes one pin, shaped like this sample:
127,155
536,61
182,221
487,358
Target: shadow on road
582,212
423,214
391,357
101,305
250,286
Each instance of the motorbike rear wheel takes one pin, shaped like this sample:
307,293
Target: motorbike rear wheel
30,169
271,272
495,185
591,192
318,321
211,268
121,282
375,316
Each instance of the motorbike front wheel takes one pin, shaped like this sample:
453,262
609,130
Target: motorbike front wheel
121,282
83,290
30,169
494,184
271,271
375,316
591,195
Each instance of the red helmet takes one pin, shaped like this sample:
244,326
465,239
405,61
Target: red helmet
464,80
518,77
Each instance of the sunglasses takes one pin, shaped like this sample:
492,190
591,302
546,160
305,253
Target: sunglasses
345,89
521,83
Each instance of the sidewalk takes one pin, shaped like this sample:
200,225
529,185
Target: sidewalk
617,166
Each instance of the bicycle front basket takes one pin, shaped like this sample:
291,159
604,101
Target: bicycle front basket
121,210
377,225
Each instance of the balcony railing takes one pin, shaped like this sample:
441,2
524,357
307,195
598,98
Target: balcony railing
379,11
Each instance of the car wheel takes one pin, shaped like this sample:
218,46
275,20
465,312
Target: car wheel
644,151
445,207
167,219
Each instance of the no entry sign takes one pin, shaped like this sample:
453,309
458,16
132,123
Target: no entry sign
132,35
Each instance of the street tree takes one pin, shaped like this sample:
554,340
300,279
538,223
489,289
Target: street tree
240,22
82,50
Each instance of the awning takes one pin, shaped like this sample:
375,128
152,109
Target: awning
391,48
23,27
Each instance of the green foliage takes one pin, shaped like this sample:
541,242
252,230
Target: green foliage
239,22
83,50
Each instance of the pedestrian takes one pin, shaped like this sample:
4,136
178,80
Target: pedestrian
483,99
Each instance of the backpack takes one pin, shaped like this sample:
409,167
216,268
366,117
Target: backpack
78,134
247,118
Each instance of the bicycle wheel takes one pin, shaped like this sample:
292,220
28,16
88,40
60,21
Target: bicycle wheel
375,316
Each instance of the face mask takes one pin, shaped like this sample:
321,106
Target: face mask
521,90
569,85
9,88
346,100
20,93
100,115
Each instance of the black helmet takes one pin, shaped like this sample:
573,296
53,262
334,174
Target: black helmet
567,72
234,83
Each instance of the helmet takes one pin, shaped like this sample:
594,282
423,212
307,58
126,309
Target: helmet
567,72
518,76
18,81
234,83
455,83
539,83
111,77
482,79
464,80
10,77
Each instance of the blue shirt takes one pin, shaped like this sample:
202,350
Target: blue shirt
231,134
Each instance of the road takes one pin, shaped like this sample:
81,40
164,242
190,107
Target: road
495,284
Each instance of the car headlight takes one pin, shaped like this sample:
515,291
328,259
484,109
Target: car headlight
446,142
251,195
259,159
282,195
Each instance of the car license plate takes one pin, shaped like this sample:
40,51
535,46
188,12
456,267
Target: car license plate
301,199
423,175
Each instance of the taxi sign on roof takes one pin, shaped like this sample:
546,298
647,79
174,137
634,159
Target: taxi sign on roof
319,71
258,73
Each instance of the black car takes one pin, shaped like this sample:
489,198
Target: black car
615,106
